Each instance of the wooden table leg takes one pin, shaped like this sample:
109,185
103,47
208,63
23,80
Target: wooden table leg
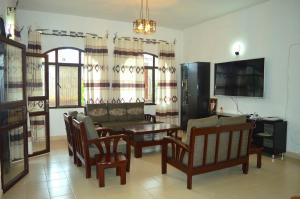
137,151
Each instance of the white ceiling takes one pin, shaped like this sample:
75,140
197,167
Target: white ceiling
177,14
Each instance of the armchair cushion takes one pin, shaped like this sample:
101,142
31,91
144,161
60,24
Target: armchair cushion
224,138
135,111
224,121
97,112
117,112
89,126
200,123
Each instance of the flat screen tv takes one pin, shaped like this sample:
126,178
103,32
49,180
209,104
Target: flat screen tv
240,78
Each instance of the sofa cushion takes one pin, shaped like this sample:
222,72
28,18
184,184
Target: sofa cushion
200,123
89,126
97,112
73,113
224,121
124,124
135,111
117,112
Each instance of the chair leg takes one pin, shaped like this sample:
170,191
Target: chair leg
189,181
246,167
258,160
74,158
88,171
122,169
164,160
101,176
117,171
79,164
70,152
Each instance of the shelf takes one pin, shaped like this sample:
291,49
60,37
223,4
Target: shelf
263,134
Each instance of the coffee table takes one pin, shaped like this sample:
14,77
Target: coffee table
155,128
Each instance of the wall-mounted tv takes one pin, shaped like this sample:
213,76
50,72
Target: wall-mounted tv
240,78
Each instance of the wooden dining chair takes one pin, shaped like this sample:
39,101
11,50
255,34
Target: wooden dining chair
88,144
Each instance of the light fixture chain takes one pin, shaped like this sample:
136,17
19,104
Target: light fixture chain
142,7
147,10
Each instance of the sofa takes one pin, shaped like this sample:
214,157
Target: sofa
211,143
118,116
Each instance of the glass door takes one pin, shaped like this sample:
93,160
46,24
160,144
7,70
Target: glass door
13,113
38,103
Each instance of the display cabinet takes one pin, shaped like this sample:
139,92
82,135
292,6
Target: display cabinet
195,91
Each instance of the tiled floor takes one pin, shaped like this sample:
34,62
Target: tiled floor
55,176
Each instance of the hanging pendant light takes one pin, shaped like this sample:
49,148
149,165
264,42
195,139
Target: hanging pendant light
144,25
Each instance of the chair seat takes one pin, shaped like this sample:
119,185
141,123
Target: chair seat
111,160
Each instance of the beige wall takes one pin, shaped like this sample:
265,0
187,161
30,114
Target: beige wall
270,30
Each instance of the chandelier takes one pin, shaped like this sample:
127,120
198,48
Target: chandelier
144,25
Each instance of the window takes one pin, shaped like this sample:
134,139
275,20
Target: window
151,65
65,89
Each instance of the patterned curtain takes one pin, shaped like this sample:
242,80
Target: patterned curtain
167,100
35,82
128,72
95,71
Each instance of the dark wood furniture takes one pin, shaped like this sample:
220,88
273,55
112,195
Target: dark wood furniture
82,145
70,136
141,130
182,156
271,135
13,113
111,158
258,151
195,91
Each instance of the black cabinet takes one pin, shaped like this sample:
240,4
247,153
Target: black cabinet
272,135
195,91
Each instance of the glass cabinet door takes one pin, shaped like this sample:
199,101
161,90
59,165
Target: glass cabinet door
13,113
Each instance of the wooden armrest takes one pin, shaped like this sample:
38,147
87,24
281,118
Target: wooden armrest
169,139
107,138
149,117
97,124
103,143
102,131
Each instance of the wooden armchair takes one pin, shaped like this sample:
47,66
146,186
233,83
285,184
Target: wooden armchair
208,149
70,136
89,150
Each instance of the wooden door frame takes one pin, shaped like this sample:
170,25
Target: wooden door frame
7,186
46,101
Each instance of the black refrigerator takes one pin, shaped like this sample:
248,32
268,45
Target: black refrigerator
195,91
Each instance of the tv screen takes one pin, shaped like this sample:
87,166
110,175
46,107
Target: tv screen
240,78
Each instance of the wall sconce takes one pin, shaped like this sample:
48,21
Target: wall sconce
237,49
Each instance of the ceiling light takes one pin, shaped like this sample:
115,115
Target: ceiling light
144,25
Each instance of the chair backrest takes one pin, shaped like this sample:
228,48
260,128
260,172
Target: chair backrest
68,124
214,145
107,145
80,139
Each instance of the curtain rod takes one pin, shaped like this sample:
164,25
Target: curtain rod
65,33
153,41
